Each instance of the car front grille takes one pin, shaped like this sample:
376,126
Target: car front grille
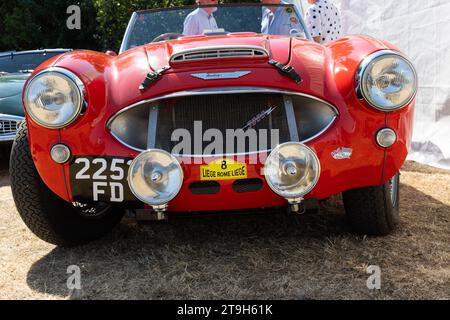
221,112
196,114
8,127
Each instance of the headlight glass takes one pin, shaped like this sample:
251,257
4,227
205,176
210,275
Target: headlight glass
54,99
388,81
155,177
292,170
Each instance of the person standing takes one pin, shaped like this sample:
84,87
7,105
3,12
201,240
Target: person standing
323,21
201,19
280,19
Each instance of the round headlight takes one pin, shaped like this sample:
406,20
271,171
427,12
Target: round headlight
54,98
387,81
292,170
155,177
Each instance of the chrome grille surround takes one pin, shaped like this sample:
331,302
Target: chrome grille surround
8,127
222,52
133,133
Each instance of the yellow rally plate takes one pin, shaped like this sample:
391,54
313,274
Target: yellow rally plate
223,169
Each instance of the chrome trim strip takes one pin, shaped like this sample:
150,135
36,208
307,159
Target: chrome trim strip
201,50
127,33
7,137
217,91
152,126
221,75
9,117
81,93
290,114
39,51
124,143
10,136
362,68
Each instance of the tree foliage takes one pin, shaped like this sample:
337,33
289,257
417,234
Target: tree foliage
113,17
33,24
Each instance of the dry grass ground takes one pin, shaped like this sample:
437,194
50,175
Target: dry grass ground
307,257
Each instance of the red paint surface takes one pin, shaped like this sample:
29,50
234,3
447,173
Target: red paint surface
328,72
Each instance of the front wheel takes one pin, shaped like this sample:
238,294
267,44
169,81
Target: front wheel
374,210
48,216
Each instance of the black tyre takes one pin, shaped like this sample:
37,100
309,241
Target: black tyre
374,210
48,216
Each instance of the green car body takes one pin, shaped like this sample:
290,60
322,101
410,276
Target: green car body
11,94
11,109
15,68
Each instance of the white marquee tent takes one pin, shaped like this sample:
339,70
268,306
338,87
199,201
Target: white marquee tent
421,29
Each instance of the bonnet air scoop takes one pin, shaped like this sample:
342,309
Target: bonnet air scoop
220,52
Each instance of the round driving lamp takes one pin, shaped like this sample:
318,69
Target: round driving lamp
387,80
155,177
54,98
292,170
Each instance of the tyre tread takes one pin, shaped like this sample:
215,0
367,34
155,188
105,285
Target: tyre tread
370,211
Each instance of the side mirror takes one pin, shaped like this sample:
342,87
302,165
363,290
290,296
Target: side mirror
111,53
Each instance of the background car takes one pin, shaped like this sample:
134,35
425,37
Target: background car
15,68
100,132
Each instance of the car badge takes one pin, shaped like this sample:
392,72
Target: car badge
221,75
258,118
342,153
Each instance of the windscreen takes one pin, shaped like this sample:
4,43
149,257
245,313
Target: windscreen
159,25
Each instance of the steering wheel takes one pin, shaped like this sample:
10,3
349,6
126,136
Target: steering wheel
167,36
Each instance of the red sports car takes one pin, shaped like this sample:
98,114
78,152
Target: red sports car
249,114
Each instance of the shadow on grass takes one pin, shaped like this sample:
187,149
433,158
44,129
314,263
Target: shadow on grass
219,257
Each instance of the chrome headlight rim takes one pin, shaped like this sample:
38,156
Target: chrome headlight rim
81,94
174,161
307,190
366,63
